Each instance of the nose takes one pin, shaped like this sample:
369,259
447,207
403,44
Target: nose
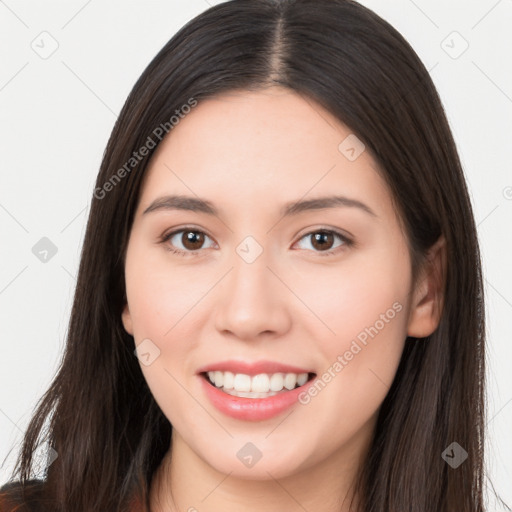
251,302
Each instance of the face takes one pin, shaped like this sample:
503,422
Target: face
322,291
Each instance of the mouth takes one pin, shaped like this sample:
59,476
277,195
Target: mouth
262,385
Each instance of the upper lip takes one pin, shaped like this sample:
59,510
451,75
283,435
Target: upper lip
253,368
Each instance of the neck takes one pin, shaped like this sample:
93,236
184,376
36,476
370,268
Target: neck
196,486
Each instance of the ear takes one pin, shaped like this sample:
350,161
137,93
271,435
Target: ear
127,319
428,293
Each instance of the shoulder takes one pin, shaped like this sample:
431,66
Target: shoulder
17,498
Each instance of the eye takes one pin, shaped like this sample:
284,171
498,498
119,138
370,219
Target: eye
322,241
190,239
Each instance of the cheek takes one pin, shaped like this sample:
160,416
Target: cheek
160,299
365,307
163,300
359,293
159,294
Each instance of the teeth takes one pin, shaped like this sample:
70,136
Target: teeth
245,385
242,382
302,378
260,383
277,382
219,379
229,380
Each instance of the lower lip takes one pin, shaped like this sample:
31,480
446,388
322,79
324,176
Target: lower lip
252,409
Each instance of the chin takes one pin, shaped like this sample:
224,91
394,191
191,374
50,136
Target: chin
247,460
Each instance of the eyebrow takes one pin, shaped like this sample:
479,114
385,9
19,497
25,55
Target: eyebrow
196,204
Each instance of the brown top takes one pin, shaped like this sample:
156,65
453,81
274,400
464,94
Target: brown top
11,500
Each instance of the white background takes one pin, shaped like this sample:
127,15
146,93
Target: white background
56,115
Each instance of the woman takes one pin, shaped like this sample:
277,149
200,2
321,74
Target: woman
281,231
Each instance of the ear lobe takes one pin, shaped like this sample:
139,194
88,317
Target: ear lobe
127,320
428,295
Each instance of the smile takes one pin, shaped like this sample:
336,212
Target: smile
258,386
243,402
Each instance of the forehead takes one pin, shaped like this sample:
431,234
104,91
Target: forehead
270,145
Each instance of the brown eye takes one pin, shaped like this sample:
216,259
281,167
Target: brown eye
192,240
186,241
323,241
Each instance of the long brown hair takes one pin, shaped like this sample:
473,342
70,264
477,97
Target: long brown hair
99,414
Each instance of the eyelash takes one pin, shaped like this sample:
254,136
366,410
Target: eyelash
347,242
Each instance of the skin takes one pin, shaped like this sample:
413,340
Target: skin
249,153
